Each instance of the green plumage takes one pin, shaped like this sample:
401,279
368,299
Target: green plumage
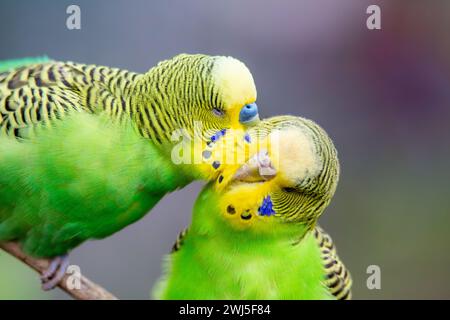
85,149
85,178
236,250
216,262
213,261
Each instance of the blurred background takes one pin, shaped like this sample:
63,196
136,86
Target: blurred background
382,95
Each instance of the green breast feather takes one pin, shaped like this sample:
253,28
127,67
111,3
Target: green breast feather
101,179
214,262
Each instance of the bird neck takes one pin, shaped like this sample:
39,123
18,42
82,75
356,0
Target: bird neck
209,222
144,99
155,108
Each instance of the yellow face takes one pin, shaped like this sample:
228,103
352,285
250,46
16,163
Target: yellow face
276,192
237,91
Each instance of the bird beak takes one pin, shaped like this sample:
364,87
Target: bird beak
258,168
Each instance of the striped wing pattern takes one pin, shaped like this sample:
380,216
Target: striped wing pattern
41,93
338,279
36,94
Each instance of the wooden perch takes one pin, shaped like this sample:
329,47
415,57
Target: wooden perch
88,291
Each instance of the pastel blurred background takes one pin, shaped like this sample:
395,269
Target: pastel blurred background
383,96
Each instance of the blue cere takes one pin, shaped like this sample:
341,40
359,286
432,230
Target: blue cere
248,112
266,207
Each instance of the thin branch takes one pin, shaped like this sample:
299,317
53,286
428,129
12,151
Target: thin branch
88,291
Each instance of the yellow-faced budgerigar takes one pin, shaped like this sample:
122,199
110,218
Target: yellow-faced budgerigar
86,150
256,237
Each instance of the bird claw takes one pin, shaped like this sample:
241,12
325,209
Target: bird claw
55,272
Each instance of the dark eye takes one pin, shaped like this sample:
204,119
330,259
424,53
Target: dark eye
287,189
217,112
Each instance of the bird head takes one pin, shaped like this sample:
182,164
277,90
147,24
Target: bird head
190,101
290,179
199,94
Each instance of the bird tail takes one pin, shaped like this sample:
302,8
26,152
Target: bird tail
15,63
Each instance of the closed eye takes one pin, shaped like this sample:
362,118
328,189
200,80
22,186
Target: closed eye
217,112
288,189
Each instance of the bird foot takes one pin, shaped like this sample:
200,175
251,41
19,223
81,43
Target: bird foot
55,272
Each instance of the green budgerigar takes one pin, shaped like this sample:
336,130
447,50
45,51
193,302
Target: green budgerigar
256,237
86,150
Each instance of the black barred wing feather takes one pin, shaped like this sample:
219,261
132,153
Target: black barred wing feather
37,94
338,279
41,93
